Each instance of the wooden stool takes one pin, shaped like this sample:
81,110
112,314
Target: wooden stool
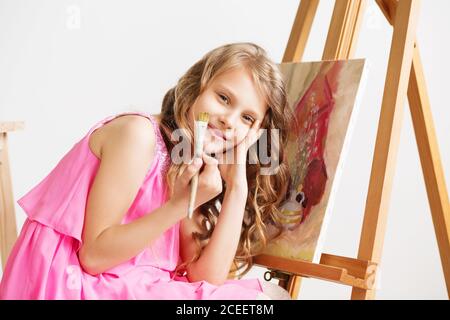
8,228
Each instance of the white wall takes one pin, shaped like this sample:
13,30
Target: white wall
66,64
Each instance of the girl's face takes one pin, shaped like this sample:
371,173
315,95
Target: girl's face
233,103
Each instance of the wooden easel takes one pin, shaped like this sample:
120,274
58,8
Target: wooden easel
404,78
8,228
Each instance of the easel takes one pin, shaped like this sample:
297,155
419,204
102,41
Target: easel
8,229
404,78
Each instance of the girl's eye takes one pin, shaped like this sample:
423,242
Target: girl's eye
250,119
223,96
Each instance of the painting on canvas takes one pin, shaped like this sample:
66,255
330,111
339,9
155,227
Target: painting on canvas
324,98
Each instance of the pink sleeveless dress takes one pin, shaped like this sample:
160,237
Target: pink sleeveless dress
43,263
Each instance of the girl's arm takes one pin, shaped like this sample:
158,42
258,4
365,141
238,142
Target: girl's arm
121,242
217,256
126,155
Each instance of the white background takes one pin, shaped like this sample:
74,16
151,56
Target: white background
64,65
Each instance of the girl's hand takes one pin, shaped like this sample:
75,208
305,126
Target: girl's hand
233,170
209,181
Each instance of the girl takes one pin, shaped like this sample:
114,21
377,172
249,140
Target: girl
109,221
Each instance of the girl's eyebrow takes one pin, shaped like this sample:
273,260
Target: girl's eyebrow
233,97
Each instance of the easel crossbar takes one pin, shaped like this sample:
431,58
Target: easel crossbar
351,272
8,126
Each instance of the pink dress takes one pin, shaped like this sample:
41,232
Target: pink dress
43,263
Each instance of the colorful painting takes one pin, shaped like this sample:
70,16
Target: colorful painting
324,98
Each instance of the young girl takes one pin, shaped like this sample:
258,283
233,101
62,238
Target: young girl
109,221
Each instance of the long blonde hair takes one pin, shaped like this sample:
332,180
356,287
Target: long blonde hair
265,192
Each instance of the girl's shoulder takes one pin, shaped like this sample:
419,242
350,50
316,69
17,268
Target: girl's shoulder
134,124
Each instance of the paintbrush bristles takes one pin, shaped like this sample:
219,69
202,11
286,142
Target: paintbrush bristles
203,116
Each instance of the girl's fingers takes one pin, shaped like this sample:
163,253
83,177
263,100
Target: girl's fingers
210,164
260,133
254,133
208,160
256,125
190,171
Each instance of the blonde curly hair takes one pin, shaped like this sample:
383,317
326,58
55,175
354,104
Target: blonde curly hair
265,192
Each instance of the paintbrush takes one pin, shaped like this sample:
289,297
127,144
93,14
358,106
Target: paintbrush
200,126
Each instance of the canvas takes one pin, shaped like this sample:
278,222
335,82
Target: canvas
324,98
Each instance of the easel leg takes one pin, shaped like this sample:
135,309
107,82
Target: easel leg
431,163
344,29
388,136
8,231
428,150
293,286
300,30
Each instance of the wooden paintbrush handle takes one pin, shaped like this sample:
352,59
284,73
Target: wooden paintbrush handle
192,195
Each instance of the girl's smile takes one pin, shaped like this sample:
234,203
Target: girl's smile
216,132
216,140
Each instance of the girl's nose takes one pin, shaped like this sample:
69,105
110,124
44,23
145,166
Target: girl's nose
227,121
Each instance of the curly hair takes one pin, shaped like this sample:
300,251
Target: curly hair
265,192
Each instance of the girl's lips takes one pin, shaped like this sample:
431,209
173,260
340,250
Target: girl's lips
217,133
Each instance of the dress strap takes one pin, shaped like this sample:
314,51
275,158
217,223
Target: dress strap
161,148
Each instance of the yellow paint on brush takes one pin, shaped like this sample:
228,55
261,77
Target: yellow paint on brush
203,116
